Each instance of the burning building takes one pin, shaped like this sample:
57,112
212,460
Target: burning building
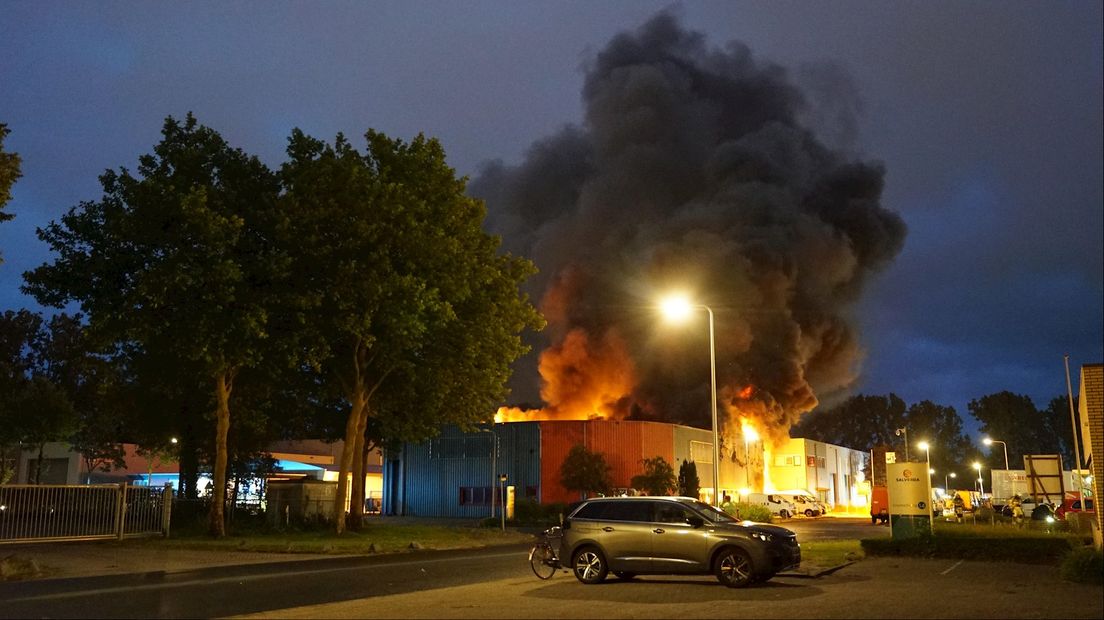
701,169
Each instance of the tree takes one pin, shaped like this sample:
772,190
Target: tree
18,333
688,483
176,260
404,306
658,477
1056,418
860,422
941,428
1013,419
46,415
585,471
9,173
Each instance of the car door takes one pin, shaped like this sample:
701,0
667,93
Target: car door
677,546
626,535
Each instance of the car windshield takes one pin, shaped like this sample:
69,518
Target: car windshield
712,513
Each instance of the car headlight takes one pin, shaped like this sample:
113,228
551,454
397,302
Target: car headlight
763,536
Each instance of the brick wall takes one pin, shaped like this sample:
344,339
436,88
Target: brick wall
1091,408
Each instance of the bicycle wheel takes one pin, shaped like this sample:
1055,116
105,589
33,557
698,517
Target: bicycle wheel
543,561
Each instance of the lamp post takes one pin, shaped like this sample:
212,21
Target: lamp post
494,465
749,436
990,441
981,481
502,489
903,431
923,445
947,485
678,308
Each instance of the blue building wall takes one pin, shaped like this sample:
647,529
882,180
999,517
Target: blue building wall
454,474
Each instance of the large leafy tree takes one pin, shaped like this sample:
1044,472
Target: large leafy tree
585,471
860,422
19,333
941,427
175,261
9,172
1014,419
407,309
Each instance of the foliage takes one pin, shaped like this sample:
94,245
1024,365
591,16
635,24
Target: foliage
1013,419
9,173
658,477
402,303
176,261
751,512
585,471
688,483
863,422
1083,565
1007,546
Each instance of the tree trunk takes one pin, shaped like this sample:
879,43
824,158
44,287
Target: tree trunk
358,400
38,464
223,386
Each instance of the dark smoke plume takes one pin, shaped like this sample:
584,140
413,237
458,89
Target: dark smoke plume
692,170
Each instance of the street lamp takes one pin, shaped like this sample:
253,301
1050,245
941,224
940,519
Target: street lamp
678,308
502,488
749,436
990,441
923,445
947,485
981,481
903,431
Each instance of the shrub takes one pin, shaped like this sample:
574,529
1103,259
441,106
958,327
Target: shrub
1028,549
752,512
1083,565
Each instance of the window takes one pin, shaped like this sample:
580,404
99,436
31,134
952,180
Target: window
476,496
666,512
701,452
628,511
461,447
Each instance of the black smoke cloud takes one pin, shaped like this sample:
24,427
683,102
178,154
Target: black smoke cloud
693,169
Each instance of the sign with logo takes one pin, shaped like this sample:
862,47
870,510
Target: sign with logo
909,499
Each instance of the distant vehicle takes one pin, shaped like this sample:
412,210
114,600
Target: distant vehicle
879,505
804,502
778,504
1073,504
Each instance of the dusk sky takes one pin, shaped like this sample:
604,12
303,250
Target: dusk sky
987,118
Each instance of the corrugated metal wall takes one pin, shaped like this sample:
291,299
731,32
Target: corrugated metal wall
695,444
624,444
426,479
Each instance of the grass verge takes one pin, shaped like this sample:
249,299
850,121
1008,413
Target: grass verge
818,555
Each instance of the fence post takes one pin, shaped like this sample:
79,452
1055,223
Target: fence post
166,508
120,512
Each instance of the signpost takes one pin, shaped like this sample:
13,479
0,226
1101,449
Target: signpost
909,489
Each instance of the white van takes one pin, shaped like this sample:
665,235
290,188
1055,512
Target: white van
805,502
777,504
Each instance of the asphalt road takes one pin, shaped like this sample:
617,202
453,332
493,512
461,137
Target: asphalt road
256,588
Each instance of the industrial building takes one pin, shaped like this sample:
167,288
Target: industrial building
457,473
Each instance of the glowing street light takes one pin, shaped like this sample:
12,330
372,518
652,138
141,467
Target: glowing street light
946,484
749,436
923,445
981,481
990,441
677,308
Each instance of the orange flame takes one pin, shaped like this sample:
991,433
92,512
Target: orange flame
582,378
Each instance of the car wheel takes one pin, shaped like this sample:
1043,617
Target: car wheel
734,568
620,574
809,512
785,514
589,565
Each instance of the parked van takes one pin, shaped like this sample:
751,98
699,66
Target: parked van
777,504
804,502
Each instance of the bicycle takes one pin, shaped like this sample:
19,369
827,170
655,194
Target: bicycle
542,557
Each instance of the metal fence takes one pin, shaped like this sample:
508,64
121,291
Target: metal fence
30,513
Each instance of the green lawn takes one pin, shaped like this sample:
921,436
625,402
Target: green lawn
818,555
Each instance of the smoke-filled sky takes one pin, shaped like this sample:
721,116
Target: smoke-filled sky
874,197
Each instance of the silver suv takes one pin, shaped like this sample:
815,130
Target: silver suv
631,536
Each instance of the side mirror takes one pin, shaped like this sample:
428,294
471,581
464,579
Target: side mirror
695,522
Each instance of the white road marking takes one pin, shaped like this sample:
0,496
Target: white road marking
952,567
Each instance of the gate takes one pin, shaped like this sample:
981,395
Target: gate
34,513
